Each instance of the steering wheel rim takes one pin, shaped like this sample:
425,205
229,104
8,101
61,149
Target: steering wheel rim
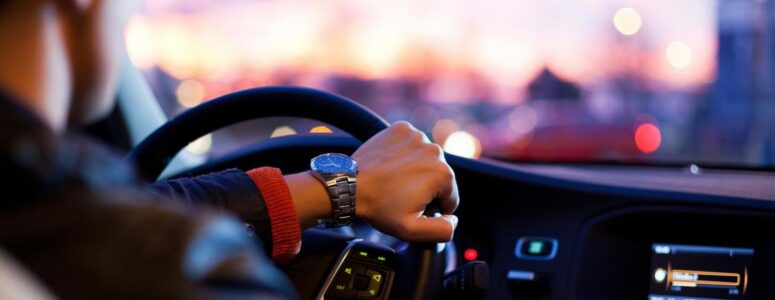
155,152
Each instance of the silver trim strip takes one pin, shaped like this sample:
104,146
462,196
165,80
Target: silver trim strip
520,275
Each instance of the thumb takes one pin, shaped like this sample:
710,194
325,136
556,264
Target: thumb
431,229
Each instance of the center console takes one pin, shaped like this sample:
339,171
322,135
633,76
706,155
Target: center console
684,272
676,253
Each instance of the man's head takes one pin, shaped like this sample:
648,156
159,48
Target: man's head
63,56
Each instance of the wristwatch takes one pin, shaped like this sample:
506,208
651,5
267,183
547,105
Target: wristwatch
337,173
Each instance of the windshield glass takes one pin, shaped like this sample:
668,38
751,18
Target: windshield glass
640,81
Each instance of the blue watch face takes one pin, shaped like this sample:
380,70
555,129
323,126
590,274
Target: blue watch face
333,164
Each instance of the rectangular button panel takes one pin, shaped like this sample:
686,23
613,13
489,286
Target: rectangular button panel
367,273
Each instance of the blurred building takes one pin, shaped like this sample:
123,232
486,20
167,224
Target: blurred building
734,101
548,86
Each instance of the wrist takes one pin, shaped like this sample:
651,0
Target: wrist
309,197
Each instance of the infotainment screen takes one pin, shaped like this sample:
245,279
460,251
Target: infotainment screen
683,272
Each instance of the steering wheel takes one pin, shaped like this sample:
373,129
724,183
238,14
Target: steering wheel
420,267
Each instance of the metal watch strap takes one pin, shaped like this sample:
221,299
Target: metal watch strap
342,194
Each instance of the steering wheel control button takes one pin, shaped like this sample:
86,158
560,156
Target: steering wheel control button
350,270
344,283
375,279
361,282
536,248
340,291
372,256
366,273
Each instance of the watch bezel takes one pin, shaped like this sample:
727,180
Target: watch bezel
352,171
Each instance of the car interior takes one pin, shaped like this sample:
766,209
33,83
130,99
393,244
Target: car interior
584,212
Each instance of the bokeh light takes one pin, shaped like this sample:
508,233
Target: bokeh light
282,131
442,129
627,21
463,144
321,129
679,55
648,138
190,93
522,119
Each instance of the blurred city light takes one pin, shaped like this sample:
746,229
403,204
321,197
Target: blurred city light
463,144
138,40
190,93
523,119
201,146
627,21
679,55
321,129
282,131
648,138
442,129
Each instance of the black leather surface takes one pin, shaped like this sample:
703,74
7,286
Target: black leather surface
157,150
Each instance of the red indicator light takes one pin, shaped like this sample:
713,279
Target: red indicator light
470,254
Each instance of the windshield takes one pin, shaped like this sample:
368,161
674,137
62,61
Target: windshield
641,81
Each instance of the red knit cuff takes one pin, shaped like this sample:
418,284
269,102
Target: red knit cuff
286,232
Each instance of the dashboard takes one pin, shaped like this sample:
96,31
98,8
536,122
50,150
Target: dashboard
590,232
612,233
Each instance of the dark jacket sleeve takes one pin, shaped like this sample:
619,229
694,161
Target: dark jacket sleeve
230,191
111,244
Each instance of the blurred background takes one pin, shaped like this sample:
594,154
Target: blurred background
639,81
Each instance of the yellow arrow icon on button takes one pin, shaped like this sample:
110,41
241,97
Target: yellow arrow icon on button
377,277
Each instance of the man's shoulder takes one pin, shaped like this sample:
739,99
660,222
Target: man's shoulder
35,162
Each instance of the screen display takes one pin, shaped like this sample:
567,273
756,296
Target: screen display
683,272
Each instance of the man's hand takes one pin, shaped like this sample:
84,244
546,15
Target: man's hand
400,173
